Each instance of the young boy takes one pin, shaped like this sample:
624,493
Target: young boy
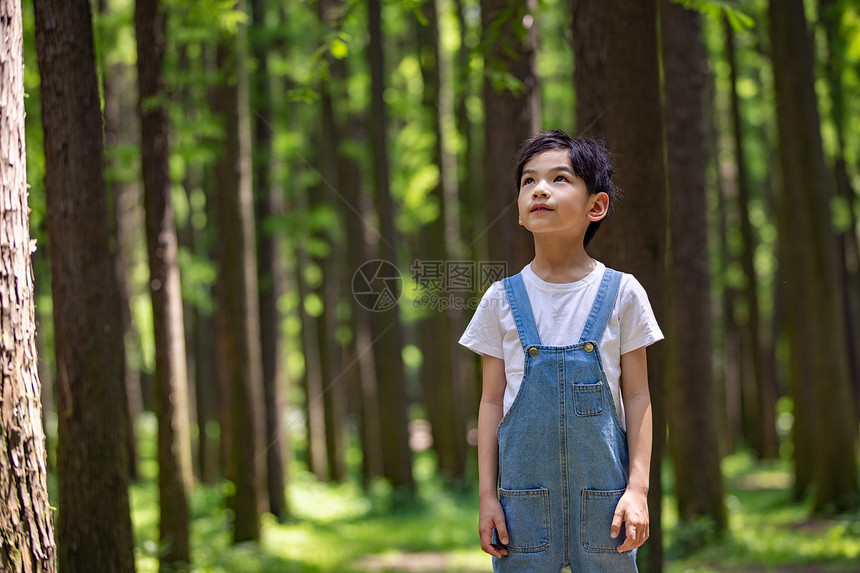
564,426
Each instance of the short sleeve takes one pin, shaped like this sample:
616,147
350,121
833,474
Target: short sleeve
638,325
484,334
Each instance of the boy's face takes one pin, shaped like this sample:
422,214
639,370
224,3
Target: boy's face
553,199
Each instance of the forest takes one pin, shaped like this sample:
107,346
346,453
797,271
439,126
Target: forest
241,239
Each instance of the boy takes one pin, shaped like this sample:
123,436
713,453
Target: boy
564,426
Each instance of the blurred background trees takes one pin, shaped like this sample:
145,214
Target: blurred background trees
330,182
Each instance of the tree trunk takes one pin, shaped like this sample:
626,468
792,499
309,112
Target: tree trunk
123,204
332,366
93,527
589,47
690,391
270,273
440,377
633,239
761,403
849,250
814,322
237,294
385,322
171,383
26,522
510,88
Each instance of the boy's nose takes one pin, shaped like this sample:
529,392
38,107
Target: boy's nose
540,190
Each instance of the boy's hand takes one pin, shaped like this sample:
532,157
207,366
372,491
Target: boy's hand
632,510
492,516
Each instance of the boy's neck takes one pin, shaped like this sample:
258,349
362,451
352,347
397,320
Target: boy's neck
561,261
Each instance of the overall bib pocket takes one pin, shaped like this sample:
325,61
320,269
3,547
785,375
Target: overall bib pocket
598,509
588,399
527,519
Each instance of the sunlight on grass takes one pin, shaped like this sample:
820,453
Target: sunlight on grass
342,528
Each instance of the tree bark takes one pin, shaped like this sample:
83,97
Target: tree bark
385,324
690,392
633,239
761,403
589,46
849,250
26,521
270,273
815,326
93,526
122,201
440,377
171,383
237,291
510,91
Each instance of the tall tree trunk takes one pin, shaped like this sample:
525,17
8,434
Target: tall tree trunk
238,302
333,368
26,522
589,47
814,322
760,404
849,250
385,324
633,239
93,526
171,383
440,377
690,391
123,204
267,260
510,88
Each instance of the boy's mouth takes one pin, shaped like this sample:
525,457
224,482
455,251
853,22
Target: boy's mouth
540,208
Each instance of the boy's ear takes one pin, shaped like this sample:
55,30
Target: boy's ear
599,207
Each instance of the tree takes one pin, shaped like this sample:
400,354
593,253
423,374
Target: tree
385,324
123,200
690,390
93,526
512,115
267,205
819,368
440,377
237,296
26,522
171,383
759,406
633,239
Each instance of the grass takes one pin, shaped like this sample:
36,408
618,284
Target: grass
339,527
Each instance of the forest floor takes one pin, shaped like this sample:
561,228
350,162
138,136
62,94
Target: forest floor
342,528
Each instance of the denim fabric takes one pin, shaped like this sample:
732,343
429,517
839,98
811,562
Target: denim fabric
563,461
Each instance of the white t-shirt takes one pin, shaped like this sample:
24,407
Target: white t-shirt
560,311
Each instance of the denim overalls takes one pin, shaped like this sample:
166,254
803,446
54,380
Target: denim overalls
563,461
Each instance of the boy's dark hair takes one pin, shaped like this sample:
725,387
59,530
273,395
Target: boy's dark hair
590,159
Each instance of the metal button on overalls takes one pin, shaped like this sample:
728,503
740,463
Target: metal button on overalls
563,460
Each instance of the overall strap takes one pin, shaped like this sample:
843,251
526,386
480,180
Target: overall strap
602,308
521,308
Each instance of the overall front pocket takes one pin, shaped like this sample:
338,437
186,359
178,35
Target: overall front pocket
588,399
598,509
527,519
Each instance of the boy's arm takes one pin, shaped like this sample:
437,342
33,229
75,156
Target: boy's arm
632,508
490,412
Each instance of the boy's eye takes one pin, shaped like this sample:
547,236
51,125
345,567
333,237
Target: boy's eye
528,181
561,178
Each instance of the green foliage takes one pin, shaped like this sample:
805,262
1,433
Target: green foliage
733,11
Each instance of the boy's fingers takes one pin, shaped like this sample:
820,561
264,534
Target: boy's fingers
502,530
616,524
